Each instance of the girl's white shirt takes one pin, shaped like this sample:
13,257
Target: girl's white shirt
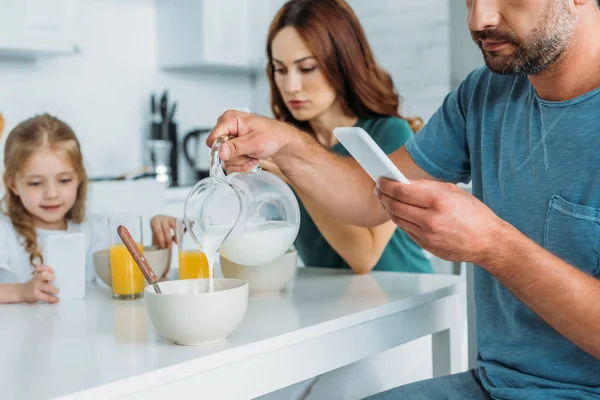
14,259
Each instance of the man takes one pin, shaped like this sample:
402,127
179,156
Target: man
526,131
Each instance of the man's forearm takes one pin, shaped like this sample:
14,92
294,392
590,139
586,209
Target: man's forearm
565,297
337,184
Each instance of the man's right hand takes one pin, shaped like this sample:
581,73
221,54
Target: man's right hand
39,287
336,184
254,138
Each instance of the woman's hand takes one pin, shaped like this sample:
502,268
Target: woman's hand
39,287
163,230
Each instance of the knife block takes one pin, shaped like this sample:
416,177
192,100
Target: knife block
168,131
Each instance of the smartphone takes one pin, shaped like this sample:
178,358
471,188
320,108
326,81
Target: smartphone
368,154
65,254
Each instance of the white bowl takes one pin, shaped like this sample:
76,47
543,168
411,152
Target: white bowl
263,280
159,260
189,315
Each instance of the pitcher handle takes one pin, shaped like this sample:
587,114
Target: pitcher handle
217,168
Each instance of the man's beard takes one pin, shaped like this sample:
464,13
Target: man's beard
538,51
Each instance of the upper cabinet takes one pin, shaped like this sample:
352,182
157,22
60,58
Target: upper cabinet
204,34
214,34
36,28
262,14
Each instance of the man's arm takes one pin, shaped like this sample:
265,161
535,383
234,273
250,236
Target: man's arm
338,185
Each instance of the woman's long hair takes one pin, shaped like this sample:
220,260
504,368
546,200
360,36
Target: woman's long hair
338,42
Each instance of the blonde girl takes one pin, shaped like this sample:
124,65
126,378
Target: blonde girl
46,184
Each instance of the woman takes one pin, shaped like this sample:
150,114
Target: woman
322,74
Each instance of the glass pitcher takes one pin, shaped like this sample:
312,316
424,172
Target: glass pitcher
252,218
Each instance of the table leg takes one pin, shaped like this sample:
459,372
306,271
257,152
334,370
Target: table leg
446,350
441,353
471,332
456,268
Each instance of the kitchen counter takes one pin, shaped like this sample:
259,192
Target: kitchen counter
102,348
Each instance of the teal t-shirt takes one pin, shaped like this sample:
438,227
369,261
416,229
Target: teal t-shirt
536,164
401,253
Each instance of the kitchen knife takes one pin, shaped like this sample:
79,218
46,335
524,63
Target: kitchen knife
163,105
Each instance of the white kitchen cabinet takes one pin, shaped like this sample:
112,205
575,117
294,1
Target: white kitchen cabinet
204,34
36,28
263,12
261,16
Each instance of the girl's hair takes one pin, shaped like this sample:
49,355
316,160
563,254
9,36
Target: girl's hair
42,132
337,40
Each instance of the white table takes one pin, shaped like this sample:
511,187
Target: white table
102,349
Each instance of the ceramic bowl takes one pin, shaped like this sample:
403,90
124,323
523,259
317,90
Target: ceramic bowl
159,260
188,314
263,280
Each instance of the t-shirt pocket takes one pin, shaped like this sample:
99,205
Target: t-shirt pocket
572,232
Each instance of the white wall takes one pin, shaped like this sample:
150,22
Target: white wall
465,56
410,40
103,92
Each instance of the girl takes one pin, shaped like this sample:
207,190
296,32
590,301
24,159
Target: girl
46,185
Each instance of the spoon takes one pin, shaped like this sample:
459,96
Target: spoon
139,258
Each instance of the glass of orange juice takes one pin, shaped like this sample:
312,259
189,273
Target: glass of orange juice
193,264
126,278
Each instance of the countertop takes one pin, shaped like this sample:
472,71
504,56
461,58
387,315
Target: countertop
111,347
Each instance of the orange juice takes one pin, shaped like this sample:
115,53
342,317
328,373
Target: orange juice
193,264
127,279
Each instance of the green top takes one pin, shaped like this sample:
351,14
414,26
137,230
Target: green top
401,253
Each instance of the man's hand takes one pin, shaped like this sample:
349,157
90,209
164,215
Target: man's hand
254,138
442,218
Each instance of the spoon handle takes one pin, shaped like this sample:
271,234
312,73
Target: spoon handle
138,256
